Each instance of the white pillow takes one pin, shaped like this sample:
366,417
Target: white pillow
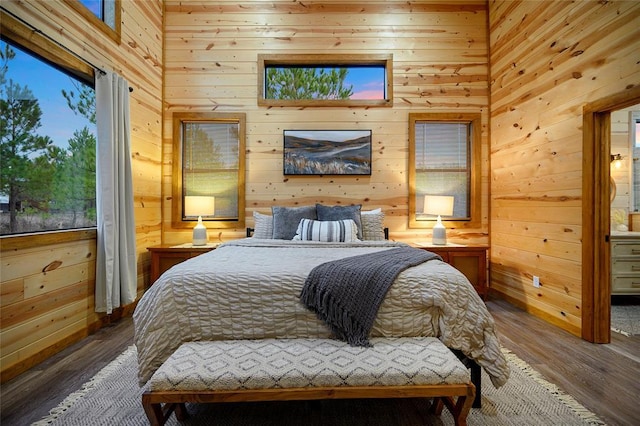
345,230
263,227
372,225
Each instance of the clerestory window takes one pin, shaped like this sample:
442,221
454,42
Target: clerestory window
325,80
103,14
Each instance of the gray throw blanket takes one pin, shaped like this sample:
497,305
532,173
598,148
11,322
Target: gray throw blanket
347,293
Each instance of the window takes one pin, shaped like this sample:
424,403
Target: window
47,136
208,161
325,80
103,14
444,160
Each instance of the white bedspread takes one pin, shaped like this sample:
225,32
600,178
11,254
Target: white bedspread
249,289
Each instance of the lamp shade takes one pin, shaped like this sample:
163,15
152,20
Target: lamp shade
616,160
438,205
197,205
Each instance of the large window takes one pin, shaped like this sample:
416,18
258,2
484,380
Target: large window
325,80
103,14
208,163
444,161
47,138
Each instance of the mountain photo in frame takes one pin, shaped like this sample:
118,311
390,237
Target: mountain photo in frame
327,152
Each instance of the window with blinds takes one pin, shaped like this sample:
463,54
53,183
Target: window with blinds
210,165
443,165
209,162
444,161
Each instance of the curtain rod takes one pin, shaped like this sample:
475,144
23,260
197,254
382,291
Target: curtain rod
103,72
38,31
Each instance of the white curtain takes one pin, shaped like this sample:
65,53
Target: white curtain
116,275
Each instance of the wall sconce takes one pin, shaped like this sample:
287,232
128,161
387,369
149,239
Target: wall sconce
438,205
616,160
199,206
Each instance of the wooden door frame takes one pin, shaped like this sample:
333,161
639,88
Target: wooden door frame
596,214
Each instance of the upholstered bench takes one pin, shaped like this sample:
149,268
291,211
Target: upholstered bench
306,369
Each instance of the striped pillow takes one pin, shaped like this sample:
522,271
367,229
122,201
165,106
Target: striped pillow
344,230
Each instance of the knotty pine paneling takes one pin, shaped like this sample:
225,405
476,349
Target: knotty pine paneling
439,65
43,312
547,60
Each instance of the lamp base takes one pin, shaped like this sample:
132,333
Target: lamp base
199,233
439,234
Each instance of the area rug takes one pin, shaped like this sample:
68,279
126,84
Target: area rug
625,319
113,397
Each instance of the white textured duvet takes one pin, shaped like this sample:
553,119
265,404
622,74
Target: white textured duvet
249,289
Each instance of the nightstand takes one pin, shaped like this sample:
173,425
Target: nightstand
165,256
471,260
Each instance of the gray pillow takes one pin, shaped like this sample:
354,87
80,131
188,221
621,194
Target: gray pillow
341,213
286,220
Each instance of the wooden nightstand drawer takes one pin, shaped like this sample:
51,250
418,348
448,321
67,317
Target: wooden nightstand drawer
165,256
470,260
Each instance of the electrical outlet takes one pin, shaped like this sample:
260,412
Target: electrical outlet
536,281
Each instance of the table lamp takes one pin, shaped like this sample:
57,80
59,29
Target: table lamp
196,205
438,205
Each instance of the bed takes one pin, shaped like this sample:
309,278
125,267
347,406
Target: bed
250,289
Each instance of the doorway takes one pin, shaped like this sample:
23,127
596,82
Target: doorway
625,207
596,214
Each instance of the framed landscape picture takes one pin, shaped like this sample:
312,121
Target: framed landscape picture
327,152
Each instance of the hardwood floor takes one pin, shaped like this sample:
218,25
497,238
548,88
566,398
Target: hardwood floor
603,378
31,395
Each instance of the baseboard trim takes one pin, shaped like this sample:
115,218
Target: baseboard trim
536,312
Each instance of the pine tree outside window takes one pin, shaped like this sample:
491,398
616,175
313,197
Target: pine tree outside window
325,80
47,146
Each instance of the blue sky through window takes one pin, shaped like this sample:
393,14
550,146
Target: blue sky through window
368,82
46,83
95,6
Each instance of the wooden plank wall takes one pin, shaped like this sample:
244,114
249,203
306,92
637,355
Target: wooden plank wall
44,311
547,60
439,64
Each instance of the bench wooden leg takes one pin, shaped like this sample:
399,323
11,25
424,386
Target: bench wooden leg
181,411
154,413
436,406
476,375
158,414
459,408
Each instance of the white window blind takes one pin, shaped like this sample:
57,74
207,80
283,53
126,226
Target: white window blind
211,165
443,163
